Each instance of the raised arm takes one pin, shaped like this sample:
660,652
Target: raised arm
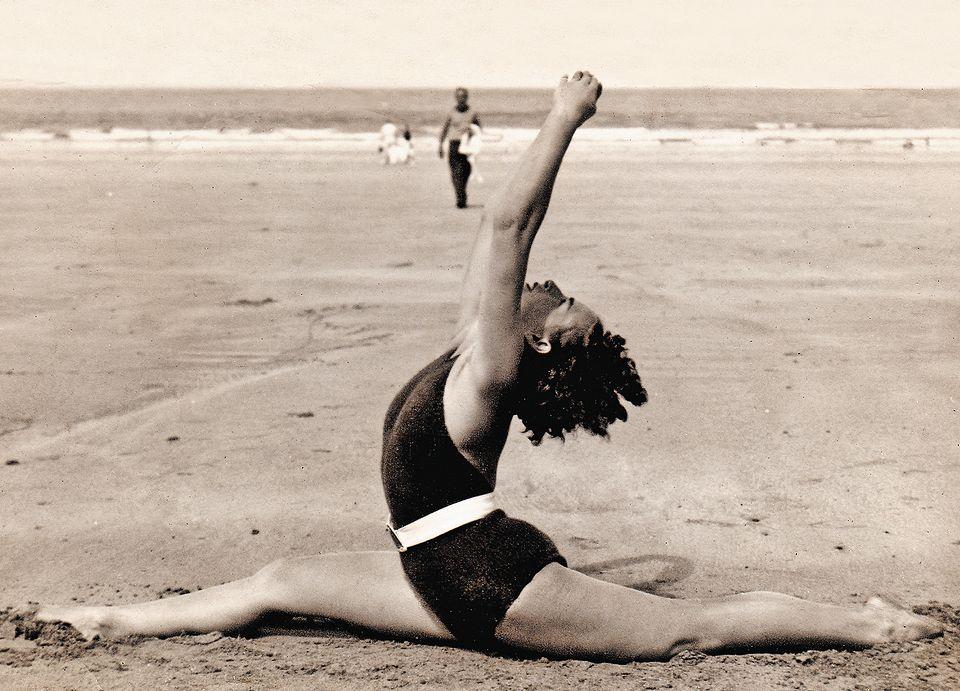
498,262
490,340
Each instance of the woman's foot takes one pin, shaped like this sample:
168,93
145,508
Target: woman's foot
897,623
91,622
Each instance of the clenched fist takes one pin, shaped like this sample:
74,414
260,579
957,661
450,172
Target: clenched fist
576,97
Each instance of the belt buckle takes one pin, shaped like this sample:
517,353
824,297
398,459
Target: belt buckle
396,540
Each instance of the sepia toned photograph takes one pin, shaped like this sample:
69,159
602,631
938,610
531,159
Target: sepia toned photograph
353,344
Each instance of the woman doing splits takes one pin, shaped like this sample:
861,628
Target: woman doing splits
464,571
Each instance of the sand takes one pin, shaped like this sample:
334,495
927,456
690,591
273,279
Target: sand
196,353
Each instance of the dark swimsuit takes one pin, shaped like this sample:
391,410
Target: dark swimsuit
469,576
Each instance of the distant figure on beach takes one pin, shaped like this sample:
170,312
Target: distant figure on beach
462,570
388,136
393,148
457,127
405,143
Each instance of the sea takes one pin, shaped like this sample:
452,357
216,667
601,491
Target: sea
321,114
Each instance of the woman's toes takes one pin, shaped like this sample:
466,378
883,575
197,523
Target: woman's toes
897,623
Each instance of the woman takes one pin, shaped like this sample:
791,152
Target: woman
465,571
457,125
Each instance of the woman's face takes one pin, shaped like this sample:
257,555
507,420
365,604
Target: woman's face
545,312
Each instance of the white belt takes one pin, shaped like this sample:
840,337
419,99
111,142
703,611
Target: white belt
442,521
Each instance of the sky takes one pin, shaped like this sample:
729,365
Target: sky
442,43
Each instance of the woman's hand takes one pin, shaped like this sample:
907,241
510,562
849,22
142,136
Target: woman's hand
576,97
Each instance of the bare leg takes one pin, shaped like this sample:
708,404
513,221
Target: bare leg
562,612
366,589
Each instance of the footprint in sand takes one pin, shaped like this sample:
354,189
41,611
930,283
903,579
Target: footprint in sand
245,302
586,542
707,521
650,573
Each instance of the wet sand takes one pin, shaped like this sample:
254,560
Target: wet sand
197,352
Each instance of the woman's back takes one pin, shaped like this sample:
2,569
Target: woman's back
421,468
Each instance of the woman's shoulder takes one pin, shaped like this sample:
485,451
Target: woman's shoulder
428,382
436,370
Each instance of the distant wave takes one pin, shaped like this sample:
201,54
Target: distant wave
365,110
495,140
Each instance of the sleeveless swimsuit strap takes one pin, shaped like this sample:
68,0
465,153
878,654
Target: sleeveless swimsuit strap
442,521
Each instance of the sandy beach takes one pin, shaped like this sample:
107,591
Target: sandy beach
196,352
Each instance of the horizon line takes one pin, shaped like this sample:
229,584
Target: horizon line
12,85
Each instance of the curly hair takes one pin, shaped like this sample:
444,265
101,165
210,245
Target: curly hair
577,386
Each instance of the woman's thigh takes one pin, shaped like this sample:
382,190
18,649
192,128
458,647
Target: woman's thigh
367,589
566,613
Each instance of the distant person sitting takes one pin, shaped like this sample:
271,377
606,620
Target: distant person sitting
405,146
457,126
395,149
388,137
